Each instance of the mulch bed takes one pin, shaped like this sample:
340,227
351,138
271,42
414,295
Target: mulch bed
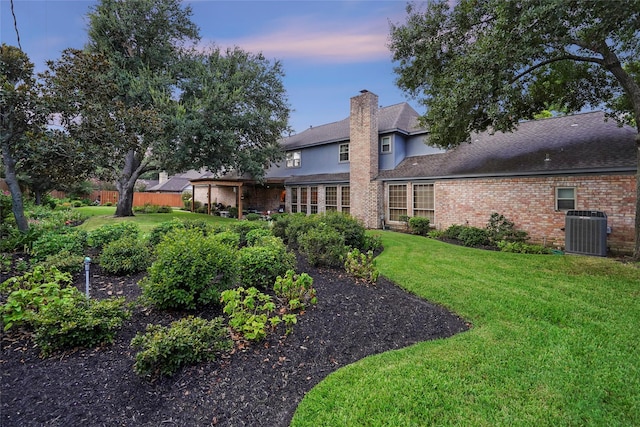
257,385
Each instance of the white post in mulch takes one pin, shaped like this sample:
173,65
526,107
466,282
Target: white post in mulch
87,263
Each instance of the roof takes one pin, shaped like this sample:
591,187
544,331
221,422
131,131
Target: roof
395,118
180,182
580,143
325,178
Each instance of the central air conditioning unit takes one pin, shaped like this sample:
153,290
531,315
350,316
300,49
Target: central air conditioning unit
586,233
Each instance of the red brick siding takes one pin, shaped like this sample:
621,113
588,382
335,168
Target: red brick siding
530,204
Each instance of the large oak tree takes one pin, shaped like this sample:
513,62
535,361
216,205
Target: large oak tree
486,64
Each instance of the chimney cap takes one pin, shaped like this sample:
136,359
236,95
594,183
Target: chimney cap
364,91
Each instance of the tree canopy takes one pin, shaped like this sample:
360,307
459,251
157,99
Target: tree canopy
486,64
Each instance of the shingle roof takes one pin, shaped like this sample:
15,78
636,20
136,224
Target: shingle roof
399,117
578,143
325,178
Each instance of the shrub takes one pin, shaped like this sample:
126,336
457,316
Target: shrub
298,225
261,265
244,227
473,236
349,227
361,266
229,238
189,270
250,313
65,261
54,242
436,234
280,224
108,233
372,242
164,350
295,291
160,230
523,248
322,245
79,322
255,236
419,225
60,315
500,228
126,255
453,231
252,216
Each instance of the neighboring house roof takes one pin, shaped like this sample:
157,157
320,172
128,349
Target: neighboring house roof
580,143
395,118
180,182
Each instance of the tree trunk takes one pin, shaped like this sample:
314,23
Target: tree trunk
636,250
11,179
125,184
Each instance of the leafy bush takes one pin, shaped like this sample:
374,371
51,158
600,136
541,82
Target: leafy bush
255,236
108,233
361,266
436,234
229,238
295,291
280,224
65,261
126,255
60,315
79,322
298,225
148,208
522,248
453,231
54,242
349,227
261,265
160,230
244,227
322,245
372,242
164,350
473,236
252,216
419,225
189,270
500,228
250,313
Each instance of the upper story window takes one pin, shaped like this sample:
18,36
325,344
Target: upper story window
344,153
385,144
293,159
565,198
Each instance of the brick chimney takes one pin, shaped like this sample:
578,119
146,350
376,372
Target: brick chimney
366,192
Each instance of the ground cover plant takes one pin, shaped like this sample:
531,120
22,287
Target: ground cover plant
553,343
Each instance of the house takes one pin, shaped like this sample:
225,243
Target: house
376,166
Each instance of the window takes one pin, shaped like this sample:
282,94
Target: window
293,159
385,144
294,199
304,199
346,199
397,201
423,201
331,199
344,153
314,200
565,198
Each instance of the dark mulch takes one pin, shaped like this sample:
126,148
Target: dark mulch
259,385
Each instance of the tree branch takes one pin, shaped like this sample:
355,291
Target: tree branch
566,57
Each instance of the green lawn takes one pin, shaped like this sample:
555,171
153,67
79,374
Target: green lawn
100,215
555,341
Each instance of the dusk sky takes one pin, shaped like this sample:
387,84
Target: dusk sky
330,50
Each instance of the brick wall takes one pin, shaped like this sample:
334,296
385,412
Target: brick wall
363,159
530,204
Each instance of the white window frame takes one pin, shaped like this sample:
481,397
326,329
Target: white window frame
341,151
293,159
563,199
385,144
